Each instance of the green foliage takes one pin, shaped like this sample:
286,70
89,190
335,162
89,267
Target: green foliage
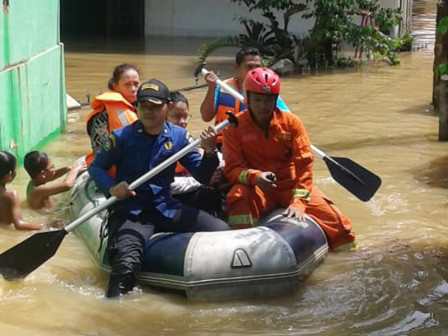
256,35
442,29
442,26
403,43
276,43
334,26
207,48
268,5
345,62
442,69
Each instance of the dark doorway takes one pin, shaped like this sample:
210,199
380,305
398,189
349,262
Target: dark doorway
99,18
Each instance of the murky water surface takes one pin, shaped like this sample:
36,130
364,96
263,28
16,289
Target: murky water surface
395,284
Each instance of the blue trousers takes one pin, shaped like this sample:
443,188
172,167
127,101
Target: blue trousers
128,234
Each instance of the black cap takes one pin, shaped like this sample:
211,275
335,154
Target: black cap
154,91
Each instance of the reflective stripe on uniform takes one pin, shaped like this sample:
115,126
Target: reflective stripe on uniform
242,178
122,117
240,220
243,175
347,247
301,193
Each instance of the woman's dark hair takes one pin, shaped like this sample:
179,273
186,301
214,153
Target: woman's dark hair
7,163
244,52
118,71
34,162
177,96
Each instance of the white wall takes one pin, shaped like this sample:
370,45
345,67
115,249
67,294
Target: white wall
213,18
201,18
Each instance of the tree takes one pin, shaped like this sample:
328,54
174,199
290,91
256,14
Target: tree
440,82
333,26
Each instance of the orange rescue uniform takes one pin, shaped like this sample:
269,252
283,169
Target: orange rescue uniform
119,111
285,150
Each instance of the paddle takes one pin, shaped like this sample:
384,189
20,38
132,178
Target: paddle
186,88
189,88
25,257
355,178
197,71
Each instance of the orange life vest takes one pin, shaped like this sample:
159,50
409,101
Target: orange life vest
181,170
119,111
226,102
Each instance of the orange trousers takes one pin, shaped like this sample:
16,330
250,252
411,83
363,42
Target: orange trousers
245,204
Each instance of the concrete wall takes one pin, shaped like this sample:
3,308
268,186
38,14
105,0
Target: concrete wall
32,84
212,18
201,18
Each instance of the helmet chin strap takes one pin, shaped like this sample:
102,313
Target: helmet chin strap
264,127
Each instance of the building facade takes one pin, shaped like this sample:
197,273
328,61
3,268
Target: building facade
32,83
214,18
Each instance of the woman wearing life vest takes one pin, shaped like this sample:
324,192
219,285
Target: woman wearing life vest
114,108
269,161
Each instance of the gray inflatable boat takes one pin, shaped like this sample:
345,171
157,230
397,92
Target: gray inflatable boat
266,260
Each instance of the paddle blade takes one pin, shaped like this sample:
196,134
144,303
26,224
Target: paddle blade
355,178
23,258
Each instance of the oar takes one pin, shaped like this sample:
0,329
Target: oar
355,178
360,181
23,258
189,88
197,71
183,89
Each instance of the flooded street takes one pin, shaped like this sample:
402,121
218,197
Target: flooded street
394,284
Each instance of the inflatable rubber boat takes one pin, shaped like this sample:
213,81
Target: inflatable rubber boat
266,260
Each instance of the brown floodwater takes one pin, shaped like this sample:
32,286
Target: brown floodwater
394,284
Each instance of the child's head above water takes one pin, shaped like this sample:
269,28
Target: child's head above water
36,162
7,165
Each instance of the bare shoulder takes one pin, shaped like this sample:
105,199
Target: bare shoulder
40,196
7,201
9,194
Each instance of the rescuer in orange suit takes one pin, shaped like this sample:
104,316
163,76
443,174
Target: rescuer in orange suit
269,162
217,101
114,108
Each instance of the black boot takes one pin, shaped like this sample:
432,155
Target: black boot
119,285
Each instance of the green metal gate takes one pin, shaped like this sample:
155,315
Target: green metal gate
32,82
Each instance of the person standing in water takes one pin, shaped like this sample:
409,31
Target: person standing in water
41,170
9,199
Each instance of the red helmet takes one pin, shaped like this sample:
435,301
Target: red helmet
262,80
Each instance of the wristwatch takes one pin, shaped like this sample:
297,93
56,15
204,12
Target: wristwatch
213,152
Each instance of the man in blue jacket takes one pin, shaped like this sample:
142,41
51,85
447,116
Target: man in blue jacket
150,208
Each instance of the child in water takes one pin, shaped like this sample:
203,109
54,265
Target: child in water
39,167
9,199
